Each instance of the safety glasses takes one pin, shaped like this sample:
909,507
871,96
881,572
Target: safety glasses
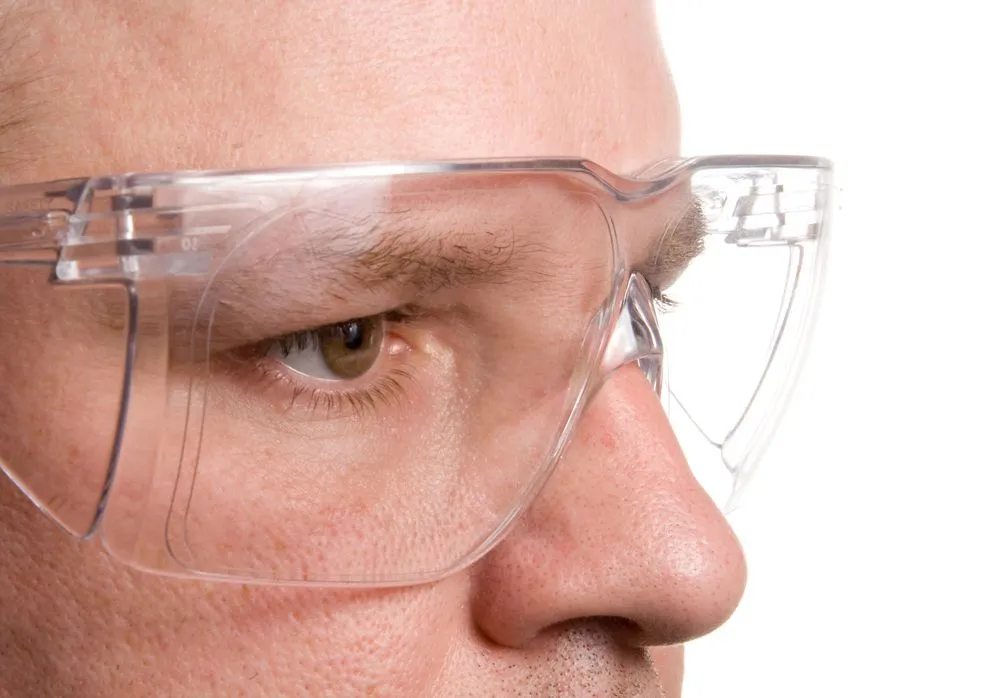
362,374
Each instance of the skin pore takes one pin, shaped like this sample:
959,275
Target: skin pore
621,551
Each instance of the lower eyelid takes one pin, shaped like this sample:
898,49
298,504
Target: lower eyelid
286,389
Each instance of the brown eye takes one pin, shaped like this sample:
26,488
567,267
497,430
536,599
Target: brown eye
337,352
349,349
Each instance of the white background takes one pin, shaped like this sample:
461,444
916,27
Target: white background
872,527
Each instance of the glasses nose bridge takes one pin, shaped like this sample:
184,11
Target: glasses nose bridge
635,336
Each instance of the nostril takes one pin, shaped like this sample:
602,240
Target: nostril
616,629
623,630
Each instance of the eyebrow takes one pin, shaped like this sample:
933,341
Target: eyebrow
668,253
395,251
417,257
413,256
365,264
370,265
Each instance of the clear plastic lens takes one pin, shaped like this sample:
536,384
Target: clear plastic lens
740,314
719,336
61,372
363,376
408,469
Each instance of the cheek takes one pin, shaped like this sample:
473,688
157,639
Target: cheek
84,625
293,641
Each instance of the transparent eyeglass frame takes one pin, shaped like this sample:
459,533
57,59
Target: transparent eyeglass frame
112,230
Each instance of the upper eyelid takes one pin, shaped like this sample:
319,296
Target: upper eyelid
305,338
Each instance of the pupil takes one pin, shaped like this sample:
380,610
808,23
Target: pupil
354,336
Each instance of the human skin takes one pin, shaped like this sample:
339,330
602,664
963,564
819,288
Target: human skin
621,552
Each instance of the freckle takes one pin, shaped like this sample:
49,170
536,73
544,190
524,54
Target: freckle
608,440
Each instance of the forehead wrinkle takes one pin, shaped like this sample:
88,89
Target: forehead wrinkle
334,95
22,87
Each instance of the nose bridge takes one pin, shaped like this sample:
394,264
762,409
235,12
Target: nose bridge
635,336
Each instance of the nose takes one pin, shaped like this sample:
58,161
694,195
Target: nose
622,534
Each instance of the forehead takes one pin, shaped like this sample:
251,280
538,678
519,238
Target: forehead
154,86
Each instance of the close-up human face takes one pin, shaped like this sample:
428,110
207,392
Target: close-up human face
385,429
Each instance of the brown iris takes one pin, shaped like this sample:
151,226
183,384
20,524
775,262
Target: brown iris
351,348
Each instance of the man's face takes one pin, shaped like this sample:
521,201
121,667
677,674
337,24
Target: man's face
621,551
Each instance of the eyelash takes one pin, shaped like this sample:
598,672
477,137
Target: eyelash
385,390
663,302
